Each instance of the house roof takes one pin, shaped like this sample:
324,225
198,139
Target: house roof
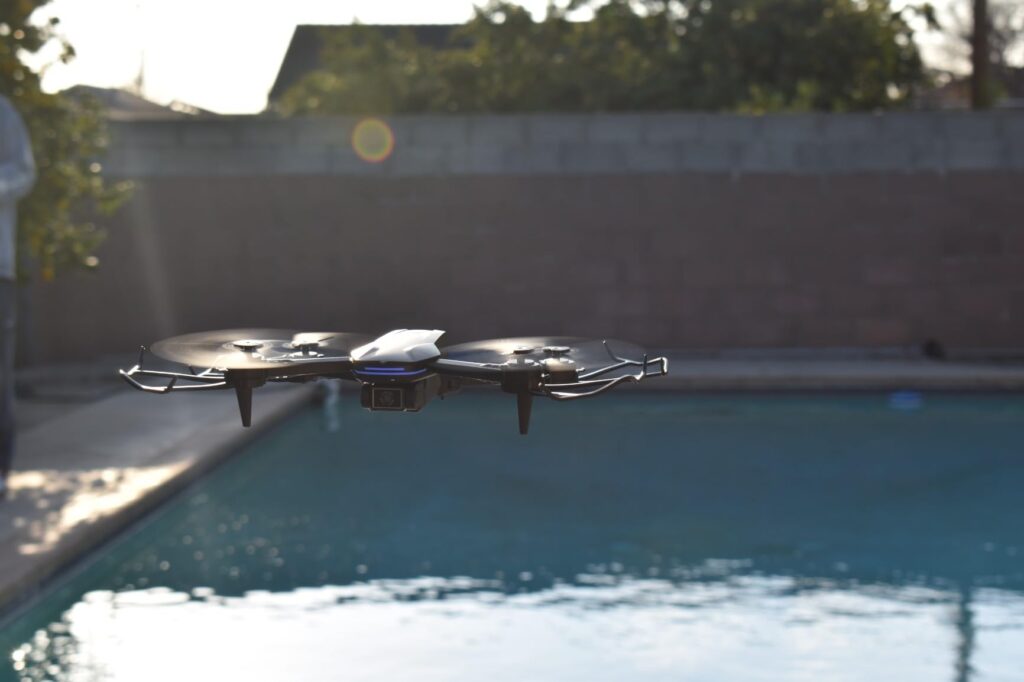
124,104
303,53
956,92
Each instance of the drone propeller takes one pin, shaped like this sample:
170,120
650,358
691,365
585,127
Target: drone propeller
559,359
245,349
527,352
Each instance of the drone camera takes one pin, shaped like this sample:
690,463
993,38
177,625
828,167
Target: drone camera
387,398
409,397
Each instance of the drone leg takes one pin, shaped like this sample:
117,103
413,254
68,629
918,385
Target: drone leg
243,390
524,401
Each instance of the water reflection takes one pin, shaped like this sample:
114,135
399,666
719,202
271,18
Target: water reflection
657,538
751,628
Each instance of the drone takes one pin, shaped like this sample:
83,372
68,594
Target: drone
399,371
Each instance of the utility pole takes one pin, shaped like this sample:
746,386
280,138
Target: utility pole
981,88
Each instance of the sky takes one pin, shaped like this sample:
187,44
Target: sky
223,55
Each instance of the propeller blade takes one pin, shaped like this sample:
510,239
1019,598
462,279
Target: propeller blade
239,349
585,354
311,338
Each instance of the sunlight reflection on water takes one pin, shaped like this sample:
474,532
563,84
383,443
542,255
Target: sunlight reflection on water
431,628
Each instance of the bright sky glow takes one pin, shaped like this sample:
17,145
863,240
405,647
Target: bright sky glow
223,55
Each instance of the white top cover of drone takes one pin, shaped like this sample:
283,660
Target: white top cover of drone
401,345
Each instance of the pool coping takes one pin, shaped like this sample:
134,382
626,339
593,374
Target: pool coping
687,373
194,440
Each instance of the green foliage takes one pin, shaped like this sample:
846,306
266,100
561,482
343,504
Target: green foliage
731,55
68,141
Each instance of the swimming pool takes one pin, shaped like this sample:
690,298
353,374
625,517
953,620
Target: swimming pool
653,536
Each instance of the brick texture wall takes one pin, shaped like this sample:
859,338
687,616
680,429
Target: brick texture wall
707,258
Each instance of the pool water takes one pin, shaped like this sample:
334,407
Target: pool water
645,536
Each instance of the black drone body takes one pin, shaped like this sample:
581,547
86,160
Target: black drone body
399,371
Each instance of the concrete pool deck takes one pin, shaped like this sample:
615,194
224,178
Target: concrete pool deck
94,456
84,471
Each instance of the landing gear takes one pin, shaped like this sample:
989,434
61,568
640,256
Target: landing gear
243,391
524,401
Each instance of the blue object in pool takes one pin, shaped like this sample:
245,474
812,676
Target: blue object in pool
906,400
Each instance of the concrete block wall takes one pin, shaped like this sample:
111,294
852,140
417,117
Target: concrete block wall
578,144
674,230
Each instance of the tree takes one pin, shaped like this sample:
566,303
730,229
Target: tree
754,55
827,55
984,38
55,229
981,91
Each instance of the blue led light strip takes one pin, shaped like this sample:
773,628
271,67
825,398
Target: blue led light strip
383,370
389,371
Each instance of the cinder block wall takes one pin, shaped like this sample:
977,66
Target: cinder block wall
675,230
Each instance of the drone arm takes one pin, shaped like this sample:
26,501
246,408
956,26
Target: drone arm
467,370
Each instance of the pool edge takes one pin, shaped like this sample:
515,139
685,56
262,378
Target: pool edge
211,446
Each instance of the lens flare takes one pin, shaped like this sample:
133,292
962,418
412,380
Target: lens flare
372,140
